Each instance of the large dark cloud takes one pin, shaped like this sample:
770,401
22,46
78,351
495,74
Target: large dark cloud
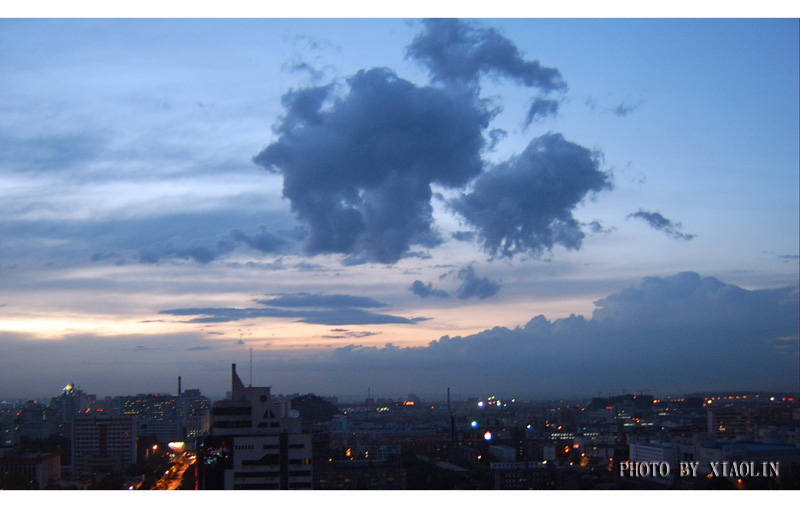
358,167
459,52
525,205
661,223
358,160
680,333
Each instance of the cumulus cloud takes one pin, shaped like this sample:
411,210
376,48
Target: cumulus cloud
359,157
358,167
525,204
661,223
684,332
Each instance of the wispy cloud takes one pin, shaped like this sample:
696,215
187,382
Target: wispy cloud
661,223
460,52
315,309
474,286
423,290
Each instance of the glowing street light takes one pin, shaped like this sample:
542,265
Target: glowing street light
487,436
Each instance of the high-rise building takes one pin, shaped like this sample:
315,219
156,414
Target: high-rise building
196,412
103,442
256,442
156,415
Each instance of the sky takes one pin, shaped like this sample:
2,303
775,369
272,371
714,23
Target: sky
534,207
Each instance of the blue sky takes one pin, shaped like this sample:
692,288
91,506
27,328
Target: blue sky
390,203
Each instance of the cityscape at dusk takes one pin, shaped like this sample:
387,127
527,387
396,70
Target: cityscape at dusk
569,213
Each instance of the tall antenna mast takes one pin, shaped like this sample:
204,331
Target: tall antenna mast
251,366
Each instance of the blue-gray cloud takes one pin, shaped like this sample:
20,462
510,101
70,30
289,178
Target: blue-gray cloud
541,108
525,205
358,158
199,253
342,333
263,241
661,223
624,109
474,286
459,52
335,310
463,236
471,286
596,226
679,333
336,301
423,290
358,167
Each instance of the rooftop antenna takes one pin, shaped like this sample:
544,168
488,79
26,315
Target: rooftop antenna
251,366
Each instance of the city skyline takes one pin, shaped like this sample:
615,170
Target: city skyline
545,207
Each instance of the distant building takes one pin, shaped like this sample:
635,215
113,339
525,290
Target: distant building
256,442
35,421
102,442
28,470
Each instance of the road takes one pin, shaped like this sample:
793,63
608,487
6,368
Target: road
173,477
